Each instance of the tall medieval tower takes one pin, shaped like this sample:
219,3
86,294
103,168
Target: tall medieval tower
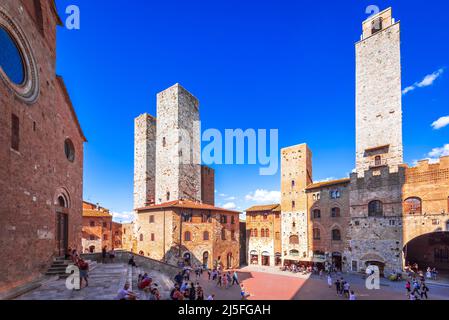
375,198
379,95
178,147
296,175
144,160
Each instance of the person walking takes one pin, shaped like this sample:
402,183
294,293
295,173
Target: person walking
103,254
352,296
424,290
338,286
329,281
235,278
84,269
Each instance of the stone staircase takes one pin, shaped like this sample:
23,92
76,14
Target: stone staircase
59,266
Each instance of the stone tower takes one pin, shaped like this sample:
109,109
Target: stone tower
178,149
379,95
296,175
144,160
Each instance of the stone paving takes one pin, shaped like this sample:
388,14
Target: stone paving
263,283
104,283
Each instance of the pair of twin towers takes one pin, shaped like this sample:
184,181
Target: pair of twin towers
167,153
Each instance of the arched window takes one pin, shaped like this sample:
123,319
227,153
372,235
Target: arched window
336,235
335,212
62,202
294,239
205,235
316,213
168,195
69,150
187,236
141,237
262,233
378,161
376,25
412,206
375,209
316,234
223,234
267,233
255,233
294,253
10,58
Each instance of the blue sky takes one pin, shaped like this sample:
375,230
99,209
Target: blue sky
287,65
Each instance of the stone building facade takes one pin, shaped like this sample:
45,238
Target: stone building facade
99,230
129,238
328,212
41,153
263,225
296,175
192,233
387,214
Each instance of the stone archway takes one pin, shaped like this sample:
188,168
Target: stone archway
428,250
62,204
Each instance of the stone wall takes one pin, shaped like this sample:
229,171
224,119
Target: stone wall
146,263
178,169
144,160
376,238
379,97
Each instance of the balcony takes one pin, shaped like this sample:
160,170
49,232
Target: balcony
378,164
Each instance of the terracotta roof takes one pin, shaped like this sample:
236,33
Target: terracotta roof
268,207
278,208
327,183
187,204
96,213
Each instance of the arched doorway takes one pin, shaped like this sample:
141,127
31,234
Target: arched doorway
337,260
62,224
428,250
205,259
278,259
254,257
187,258
229,261
91,249
265,258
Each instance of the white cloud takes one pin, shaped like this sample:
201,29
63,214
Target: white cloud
325,180
441,123
229,206
427,81
435,155
231,198
222,195
261,195
124,217
439,152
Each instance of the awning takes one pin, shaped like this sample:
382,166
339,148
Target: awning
266,254
292,258
254,253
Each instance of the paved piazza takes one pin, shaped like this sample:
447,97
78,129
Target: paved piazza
263,283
